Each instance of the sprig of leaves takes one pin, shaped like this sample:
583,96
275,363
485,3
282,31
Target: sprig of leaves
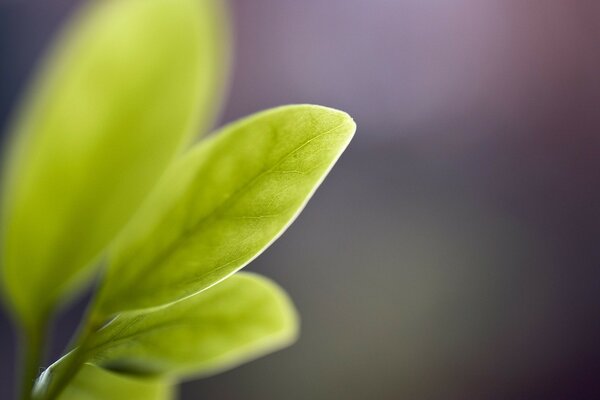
100,173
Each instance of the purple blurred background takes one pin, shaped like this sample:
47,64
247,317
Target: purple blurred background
453,252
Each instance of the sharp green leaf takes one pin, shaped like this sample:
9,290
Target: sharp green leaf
239,319
93,383
127,86
222,205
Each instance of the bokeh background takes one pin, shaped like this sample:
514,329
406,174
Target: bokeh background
454,251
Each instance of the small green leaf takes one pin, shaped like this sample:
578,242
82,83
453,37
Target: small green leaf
93,383
237,320
127,86
222,204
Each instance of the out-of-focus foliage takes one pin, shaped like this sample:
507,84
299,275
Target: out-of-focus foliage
93,383
126,86
92,177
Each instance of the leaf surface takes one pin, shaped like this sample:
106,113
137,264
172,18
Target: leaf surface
94,383
237,320
124,90
222,204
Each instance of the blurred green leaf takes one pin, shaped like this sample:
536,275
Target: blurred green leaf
93,383
127,86
237,320
222,205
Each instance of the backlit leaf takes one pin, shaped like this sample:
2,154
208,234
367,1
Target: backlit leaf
94,383
222,204
237,320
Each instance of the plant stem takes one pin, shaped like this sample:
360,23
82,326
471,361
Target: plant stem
64,370
62,375
32,354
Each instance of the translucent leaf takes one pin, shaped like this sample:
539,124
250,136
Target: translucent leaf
93,383
222,204
237,320
126,87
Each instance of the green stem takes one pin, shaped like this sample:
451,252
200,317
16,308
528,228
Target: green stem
64,370
62,374
32,356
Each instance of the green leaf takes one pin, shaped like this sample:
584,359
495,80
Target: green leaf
125,89
235,321
93,383
222,204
